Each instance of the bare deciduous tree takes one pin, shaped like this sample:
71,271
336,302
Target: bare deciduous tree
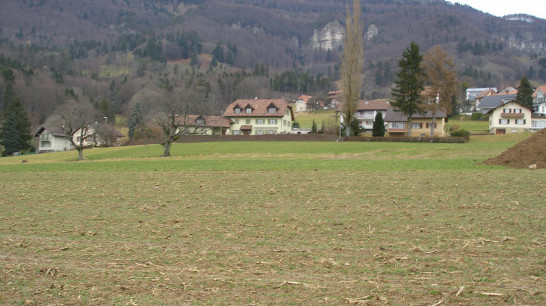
172,114
440,77
352,66
75,120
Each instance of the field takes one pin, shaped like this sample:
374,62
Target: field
273,223
305,119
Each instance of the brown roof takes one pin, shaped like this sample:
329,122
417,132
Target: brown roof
541,88
305,98
380,104
259,108
210,121
393,115
246,127
485,93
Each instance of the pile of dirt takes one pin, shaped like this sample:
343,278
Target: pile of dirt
525,154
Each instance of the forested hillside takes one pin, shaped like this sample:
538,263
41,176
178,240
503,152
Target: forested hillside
120,52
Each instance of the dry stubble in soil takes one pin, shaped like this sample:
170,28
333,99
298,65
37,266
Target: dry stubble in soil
531,151
238,237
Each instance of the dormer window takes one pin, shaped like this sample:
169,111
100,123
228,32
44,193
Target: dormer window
237,110
248,110
271,109
200,121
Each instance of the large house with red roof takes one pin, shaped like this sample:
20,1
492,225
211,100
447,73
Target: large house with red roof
260,117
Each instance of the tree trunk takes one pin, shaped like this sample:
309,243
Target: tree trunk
432,128
347,131
409,126
166,149
80,153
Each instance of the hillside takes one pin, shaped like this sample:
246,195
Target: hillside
111,48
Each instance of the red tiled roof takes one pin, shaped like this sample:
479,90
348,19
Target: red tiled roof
485,93
259,108
210,121
305,98
380,104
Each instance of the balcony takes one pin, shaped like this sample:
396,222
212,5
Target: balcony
512,115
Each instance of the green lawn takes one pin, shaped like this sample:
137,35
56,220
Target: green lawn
305,119
273,223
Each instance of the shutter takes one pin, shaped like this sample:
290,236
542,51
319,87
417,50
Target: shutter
500,121
524,121
508,121
427,125
420,125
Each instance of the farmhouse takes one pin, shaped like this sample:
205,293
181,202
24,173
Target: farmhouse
367,110
206,125
97,135
539,100
52,140
260,116
489,103
510,117
397,123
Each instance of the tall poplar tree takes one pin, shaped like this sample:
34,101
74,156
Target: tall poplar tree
409,85
352,66
525,93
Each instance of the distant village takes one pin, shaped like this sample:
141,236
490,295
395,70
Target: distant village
277,116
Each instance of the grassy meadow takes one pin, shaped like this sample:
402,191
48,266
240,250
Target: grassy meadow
273,222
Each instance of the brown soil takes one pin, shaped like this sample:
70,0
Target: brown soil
525,154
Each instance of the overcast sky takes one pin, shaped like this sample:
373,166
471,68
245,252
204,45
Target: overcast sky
506,7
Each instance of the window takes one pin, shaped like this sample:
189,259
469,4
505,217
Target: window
200,121
260,121
236,121
248,110
504,121
247,121
272,121
398,125
237,110
272,110
236,132
259,132
416,125
517,111
270,132
506,110
520,121
429,124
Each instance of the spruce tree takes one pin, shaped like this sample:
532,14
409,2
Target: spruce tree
314,127
525,93
378,126
135,120
409,85
16,134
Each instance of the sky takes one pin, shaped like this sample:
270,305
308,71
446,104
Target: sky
500,8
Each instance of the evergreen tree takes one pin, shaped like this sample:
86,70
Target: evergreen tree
378,126
409,85
525,93
107,112
356,129
135,120
16,135
314,127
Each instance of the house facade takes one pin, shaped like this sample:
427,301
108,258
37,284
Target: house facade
52,140
259,117
367,110
301,103
207,125
97,135
510,117
538,122
539,100
397,123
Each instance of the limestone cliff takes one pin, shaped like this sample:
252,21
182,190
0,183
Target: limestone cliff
329,37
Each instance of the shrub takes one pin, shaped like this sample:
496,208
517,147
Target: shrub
460,133
454,128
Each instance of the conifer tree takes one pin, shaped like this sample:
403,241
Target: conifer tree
16,135
525,93
135,120
378,126
409,85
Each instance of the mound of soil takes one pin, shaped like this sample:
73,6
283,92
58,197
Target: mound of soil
531,151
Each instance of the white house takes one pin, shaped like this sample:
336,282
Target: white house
97,135
510,117
301,103
539,100
367,110
52,140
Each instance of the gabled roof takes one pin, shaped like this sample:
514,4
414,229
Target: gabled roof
393,115
380,104
507,91
494,101
210,121
259,108
305,98
541,89
55,131
502,105
485,93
